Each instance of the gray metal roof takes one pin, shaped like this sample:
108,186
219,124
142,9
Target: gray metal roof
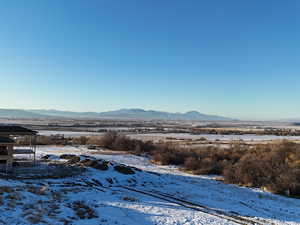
6,140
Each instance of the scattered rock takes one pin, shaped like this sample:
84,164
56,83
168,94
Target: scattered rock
124,169
74,159
46,157
89,163
50,157
67,156
102,166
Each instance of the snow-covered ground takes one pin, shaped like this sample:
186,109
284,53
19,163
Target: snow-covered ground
159,136
68,134
213,137
54,201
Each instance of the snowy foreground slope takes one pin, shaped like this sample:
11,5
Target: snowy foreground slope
153,195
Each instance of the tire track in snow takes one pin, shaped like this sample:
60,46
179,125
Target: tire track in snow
204,209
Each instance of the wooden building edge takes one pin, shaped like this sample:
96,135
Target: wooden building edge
7,144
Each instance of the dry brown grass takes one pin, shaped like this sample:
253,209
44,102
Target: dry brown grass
6,189
83,211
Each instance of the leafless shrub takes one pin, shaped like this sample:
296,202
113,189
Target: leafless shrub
275,167
115,141
191,163
80,140
95,140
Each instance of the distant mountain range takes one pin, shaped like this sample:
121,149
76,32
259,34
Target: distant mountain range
17,113
118,114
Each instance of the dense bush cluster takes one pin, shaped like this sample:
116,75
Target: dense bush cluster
277,132
275,167
116,141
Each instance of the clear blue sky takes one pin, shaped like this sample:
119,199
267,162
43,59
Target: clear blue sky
233,58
